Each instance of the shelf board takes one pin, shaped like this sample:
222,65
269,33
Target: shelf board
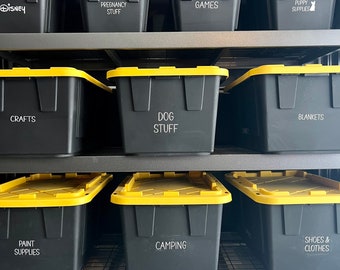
221,161
168,40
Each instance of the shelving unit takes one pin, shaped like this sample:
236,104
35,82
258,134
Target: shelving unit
234,50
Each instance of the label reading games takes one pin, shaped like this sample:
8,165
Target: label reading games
304,6
206,4
165,123
26,248
317,244
113,8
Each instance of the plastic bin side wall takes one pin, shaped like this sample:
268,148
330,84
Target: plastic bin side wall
220,15
288,113
172,237
298,15
122,16
35,17
48,111
291,236
42,238
161,115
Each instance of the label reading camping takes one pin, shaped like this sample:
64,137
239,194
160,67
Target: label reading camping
165,124
304,6
26,248
317,244
113,8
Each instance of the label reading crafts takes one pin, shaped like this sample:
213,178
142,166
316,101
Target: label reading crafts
113,8
304,6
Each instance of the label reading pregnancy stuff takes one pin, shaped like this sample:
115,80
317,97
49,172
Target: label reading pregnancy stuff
26,248
317,244
165,123
113,8
206,4
304,6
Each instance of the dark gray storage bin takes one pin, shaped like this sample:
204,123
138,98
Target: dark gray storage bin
280,108
171,221
118,16
168,110
48,221
41,111
301,14
218,15
23,16
289,219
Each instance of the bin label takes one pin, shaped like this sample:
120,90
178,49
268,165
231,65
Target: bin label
170,245
206,4
317,244
165,123
26,248
4,8
304,6
113,8
311,116
22,118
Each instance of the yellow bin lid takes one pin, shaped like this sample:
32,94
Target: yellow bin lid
284,70
288,187
52,72
48,190
170,188
167,71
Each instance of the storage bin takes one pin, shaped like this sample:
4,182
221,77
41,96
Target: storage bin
290,219
41,110
115,16
287,108
171,220
301,14
218,15
29,16
167,109
46,221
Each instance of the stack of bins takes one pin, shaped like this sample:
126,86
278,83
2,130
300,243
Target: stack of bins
281,108
47,221
171,220
168,110
290,219
22,16
42,110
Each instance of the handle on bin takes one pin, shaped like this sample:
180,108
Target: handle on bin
283,70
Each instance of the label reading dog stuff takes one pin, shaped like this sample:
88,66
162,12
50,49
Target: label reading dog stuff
114,8
304,6
165,123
